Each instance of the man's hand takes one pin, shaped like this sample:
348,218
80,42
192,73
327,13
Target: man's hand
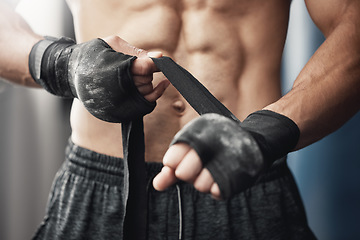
221,156
181,162
142,68
111,78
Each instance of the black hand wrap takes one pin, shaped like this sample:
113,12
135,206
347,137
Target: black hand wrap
92,72
237,153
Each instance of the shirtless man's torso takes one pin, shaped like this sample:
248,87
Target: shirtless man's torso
233,47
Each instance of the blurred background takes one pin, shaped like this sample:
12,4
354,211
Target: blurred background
34,129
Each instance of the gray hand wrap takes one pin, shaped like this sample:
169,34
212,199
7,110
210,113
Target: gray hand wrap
237,153
92,72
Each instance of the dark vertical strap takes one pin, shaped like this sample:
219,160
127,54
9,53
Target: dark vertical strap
135,225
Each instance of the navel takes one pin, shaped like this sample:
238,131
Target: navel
179,106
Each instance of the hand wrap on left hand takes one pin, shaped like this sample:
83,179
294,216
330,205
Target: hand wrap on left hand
94,73
236,153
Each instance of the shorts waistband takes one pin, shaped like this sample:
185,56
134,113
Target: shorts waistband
100,167
108,169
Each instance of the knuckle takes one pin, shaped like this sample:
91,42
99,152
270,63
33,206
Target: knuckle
140,51
201,187
147,68
182,175
148,89
114,40
143,81
144,68
179,174
136,51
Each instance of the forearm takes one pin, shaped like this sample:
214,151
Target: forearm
327,91
16,41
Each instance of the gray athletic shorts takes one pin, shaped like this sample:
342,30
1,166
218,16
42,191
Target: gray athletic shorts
85,203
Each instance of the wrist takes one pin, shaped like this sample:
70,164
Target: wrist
48,61
275,133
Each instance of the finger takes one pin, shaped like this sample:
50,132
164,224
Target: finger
215,192
204,181
190,167
154,54
143,66
145,89
142,79
164,179
175,154
120,45
157,91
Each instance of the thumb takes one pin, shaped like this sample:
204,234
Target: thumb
145,54
120,45
155,54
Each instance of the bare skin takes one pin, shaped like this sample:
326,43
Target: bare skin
237,65
14,65
213,40
15,34
233,47
324,96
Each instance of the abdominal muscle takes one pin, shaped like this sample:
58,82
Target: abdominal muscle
214,43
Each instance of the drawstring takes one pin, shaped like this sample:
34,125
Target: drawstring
179,205
180,211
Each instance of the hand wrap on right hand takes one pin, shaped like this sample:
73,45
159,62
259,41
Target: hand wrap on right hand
237,153
92,72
